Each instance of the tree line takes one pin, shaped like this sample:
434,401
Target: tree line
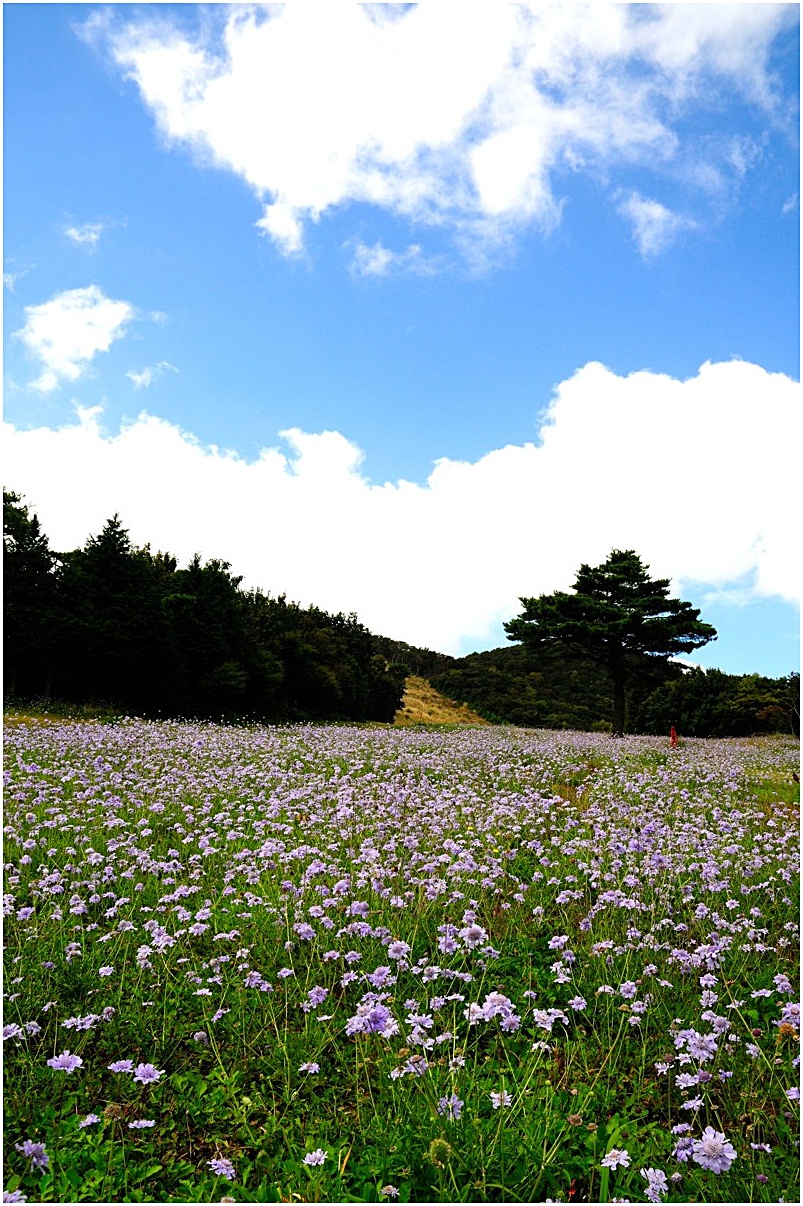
116,624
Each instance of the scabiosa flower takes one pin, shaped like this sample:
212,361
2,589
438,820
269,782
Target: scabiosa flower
578,1003
793,1094
317,995
316,1157
389,1191
121,1065
105,971
501,1099
451,1107
628,990
683,1149
656,1183
35,1152
90,1120
713,1151
141,1124
310,1067
11,1031
65,1062
616,1157
146,1074
14,1195
398,950
222,1168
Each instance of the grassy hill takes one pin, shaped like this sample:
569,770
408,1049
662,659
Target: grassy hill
422,704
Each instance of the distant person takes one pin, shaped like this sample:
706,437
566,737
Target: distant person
673,737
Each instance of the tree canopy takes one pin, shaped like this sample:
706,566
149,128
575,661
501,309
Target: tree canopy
615,615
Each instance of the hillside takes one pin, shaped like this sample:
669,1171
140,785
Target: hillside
422,704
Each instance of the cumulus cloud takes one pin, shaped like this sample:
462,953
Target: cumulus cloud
700,476
146,376
655,227
87,236
465,118
67,332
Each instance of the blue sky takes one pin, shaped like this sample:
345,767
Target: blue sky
410,311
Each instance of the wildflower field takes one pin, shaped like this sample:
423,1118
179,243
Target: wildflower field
355,964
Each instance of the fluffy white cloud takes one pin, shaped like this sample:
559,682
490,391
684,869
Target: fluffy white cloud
461,116
67,332
654,226
700,476
146,376
87,235
379,260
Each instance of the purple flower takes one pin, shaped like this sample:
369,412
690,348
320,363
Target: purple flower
713,1151
317,995
14,1195
11,1031
105,971
122,1065
616,1157
65,1062
35,1152
222,1168
683,1149
146,1074
316,1157
140,1124
451,1107
90,1120
501,1099
628,990
656,1183
398,950
311,1067
793,1094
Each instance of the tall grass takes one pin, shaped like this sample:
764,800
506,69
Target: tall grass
348,964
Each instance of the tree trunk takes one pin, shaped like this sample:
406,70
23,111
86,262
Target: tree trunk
618,675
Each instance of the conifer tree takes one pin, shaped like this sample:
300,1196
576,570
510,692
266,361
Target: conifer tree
616,615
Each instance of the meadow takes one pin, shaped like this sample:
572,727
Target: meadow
375,964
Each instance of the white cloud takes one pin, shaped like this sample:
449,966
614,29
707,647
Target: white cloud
378,260
700,476
146,376
458,117
67,332
655,227
87,235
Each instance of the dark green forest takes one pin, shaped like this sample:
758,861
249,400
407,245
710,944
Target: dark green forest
126,627
114,624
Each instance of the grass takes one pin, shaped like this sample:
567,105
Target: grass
422,704
398,964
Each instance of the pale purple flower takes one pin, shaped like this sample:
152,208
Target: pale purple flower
140,1124
310,1067
14,1195
398,950
146,1074
35,1152
578,1003
122,1065
628,990
389,1191
105,971
793,1094
65,1062
317,995
316,1157
683,1149
616,1157
90,1120
11,1031
222,1168
713,1151
451,1107
502,1098
656,1183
